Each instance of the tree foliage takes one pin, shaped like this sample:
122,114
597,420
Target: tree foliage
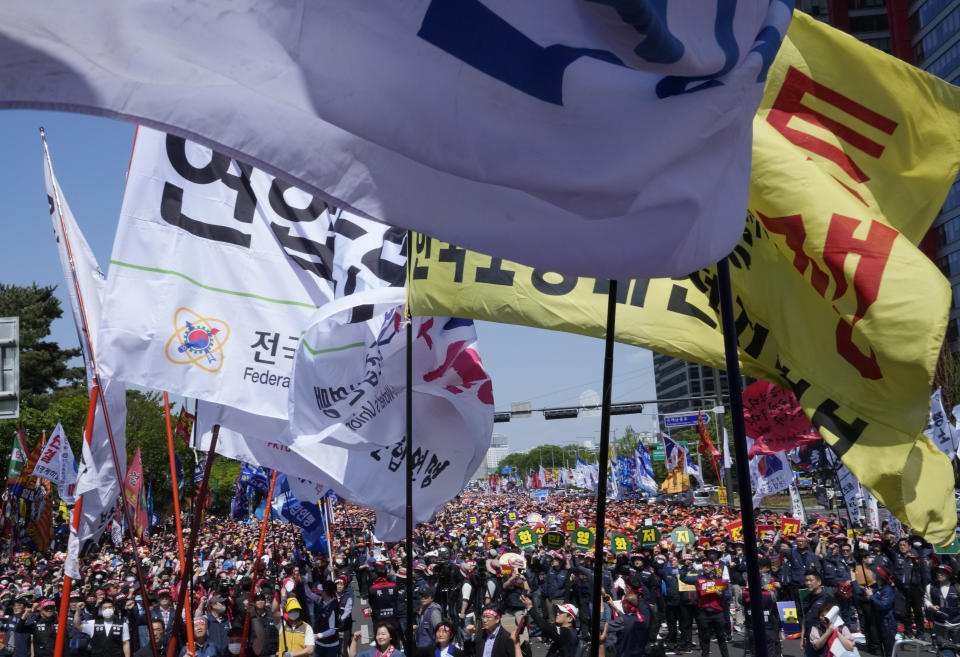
44,365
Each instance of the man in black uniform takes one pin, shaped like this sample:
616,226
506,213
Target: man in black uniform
42,628
109,637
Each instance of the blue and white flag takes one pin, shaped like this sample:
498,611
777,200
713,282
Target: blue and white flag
672,452
607,138
643,470
255,477
694,470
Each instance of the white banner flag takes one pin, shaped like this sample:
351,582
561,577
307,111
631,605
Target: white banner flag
604,140
796,502
97,474
348,472
940,429
349,380
57,465
850,488
216,269
769,474
873,512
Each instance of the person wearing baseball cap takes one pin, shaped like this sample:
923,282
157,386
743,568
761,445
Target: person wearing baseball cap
883,599
562,635
942,601
713,595
41,629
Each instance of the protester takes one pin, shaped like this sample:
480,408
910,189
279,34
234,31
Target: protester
386,639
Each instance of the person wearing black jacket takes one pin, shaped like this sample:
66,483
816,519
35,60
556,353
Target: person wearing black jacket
42,628
910,582
556,591
634,626
563,638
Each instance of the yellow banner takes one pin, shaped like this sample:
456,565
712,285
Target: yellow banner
853,155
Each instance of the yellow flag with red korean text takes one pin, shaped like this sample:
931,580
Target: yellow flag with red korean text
854,152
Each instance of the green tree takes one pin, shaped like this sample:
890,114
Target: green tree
44,365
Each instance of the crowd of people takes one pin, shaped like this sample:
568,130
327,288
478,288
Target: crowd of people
476,591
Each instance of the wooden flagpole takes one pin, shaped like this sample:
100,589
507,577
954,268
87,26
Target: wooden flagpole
176,511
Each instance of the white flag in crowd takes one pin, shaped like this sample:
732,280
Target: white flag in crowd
97,473
796,503
769,474
940,429
216,269
349,380
57,465
607,141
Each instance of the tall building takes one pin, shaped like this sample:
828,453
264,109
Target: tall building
678,378
499,448
935,30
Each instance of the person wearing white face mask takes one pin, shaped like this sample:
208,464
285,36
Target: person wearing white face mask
296,637
108,637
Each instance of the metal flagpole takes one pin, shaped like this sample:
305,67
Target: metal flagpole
408,639
98,386
602,461
742,460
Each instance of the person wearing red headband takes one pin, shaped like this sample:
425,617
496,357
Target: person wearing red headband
492,640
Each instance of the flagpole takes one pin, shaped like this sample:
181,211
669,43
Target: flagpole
742,463
602,457
256,563
98,386
408,639
176,512
187,575
75,528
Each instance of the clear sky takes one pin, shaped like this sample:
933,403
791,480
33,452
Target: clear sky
90,158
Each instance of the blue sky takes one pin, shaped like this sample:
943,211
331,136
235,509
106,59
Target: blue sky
90,157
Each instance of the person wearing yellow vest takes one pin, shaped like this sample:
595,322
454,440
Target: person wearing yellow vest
296,636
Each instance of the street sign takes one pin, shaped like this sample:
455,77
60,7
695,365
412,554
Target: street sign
677,420
657,454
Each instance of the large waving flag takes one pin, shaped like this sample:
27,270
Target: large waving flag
97,478
209,287
348,391
854,153
575,127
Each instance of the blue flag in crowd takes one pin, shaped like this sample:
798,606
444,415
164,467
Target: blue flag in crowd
198,471
254,476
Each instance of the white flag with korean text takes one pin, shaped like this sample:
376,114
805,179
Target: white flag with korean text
58,465
607,139
216,269
940,429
